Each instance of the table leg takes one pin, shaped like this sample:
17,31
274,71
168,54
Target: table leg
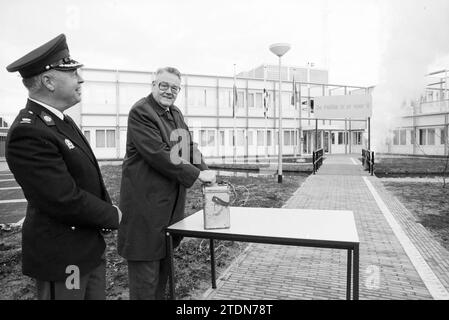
348,275
356,273
171,266
212,263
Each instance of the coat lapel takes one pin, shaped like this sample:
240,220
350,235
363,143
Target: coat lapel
64,128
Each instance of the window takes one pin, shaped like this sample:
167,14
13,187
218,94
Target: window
260,139
207,138
203,139
222,138
225,98
422,137
395,137
110,138
268,137
412,136
402,137
259,103
240,138
286,99
211,137
240,99
250,138
443,136
250,100
333,137
100,138
287,138
87,135
197,97
431,136
231,137
357,138
105,138
340,138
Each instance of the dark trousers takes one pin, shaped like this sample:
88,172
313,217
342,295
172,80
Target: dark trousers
148,279
92,287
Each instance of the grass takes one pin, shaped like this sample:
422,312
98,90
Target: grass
428,202
192,264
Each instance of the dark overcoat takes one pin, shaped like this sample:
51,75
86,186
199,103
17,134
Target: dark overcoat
68,204
153,189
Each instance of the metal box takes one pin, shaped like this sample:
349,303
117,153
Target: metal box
216,206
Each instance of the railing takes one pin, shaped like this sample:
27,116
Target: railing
317,159
368,160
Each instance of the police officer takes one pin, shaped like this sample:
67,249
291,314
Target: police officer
68,204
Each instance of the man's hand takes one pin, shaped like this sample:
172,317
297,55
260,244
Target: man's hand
207,176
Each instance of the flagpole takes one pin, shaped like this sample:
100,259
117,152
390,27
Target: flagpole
295,145
234,107
300,124
265,106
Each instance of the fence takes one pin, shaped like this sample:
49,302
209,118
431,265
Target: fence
317,159
368,160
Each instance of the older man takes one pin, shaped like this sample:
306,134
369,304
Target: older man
68,204
154,182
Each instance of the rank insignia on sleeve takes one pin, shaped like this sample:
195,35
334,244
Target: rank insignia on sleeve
69,144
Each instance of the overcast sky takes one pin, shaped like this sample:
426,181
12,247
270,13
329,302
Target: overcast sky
347,37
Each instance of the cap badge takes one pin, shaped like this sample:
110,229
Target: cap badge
25,120
69,144
47,118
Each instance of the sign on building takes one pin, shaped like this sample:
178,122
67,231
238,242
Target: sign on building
348,106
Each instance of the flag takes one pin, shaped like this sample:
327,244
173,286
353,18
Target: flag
234,100
266,96
294,93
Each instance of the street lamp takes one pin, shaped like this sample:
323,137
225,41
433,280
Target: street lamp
280,49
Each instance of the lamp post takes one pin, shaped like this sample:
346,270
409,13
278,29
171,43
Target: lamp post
310,65
280,49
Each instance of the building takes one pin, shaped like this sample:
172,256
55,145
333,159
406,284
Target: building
206,102
301,74
3,132
423,128
321,118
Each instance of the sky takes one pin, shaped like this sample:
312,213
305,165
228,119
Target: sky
347,37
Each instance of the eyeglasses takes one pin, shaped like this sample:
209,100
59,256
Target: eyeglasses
164,86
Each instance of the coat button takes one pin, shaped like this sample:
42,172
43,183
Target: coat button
73,228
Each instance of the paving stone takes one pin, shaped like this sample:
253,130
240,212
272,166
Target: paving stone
289,272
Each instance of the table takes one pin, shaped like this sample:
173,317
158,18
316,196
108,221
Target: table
334,229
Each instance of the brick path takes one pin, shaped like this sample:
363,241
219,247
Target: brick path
386,271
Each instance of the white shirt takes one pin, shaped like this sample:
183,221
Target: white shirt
56,112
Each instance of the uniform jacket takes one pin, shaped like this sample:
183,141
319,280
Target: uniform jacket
68,203
153,189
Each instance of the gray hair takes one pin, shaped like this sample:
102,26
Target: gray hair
169,70
34,83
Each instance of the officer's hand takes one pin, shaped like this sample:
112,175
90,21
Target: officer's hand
207,176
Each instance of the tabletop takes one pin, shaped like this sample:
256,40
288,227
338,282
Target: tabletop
295,224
